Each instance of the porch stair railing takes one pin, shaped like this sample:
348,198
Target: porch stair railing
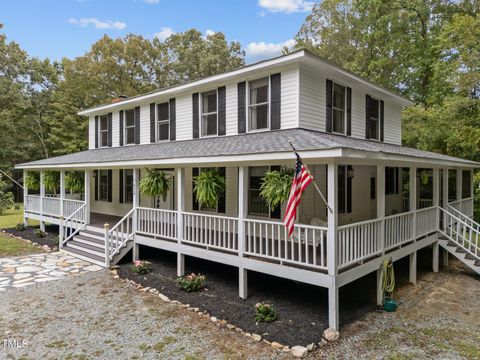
119,235
72,225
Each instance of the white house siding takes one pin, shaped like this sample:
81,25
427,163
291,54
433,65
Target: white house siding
91,132
184,117
231,107
289,97
105,207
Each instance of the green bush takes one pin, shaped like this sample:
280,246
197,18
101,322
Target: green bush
192,282
265,312
141,267
39,233
6,198
20,227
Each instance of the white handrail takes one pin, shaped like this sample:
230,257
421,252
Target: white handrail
465,217
76,221
118,236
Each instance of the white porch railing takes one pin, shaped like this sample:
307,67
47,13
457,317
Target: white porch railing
398,229
157,222
32,203
210,231
70,206
51,206
465,206
118,236
468,220
72,225
427,222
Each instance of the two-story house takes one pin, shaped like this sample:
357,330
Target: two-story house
386,199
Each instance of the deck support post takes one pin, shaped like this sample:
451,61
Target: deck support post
381,204
413,268
62,192
436,256
413,207
242,214
136,202
379,287
42,196
25,197
180,186
444,258
88,175
436,202
332,249
135,251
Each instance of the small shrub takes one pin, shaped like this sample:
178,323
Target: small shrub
39,233
20,227
141,267
192,282
17,207
265,312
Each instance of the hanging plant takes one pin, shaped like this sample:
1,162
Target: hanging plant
51,181
275,188
74,182
155,183
424,177
208,187
32,181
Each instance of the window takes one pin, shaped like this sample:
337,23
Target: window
129,127
209,113
373,188
258,105
344,189
391,180
256,204
452,185
338,108
466,184
103,131
374,119
103,185
163,122
128,186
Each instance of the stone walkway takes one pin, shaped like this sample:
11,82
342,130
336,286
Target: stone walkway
27,270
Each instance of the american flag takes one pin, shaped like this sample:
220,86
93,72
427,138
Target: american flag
301,180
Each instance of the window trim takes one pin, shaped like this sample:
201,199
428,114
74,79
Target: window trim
376,119
124,189
249,189
125,127
344,110
268,103
100,131
202,114
99,174
157,122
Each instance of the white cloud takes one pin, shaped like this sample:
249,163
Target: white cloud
263,50
98,24
152,1
164,33
209,32
286,6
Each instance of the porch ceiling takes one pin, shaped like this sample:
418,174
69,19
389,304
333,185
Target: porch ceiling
245,148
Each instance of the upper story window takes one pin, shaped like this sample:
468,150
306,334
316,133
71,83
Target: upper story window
129,129
103,131
258,116
163,121
209,118
374,121
338,108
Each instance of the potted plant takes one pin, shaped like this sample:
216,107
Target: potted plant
275,188
208,187
155,183
74,182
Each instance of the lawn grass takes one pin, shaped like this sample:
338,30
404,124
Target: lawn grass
13,217
15,247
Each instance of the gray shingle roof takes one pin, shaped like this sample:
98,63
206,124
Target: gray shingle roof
244,144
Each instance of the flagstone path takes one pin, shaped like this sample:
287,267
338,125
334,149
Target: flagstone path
21,271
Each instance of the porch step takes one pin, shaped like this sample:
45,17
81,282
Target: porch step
461,254
87,248
88,239
94,259
93,234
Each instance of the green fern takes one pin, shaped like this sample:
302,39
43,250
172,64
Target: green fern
51,181
74,182
275,187
209,185
155,183
32,181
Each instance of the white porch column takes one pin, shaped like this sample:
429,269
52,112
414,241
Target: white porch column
458,185
180,186
42,196
62,192
86,192
25,196
136,203
436,202
445,206
413,207
333,308
242,214
380,179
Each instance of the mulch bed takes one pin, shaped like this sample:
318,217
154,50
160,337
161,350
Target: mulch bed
28,234
302,309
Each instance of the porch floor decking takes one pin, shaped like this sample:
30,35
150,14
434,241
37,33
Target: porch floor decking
98,220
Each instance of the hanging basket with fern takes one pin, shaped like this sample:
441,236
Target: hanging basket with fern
155,183
32,181
51,181
209,185
74,182
275,188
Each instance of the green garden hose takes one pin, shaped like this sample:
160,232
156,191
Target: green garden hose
389,304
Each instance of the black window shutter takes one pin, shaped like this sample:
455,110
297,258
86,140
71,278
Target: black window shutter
109,129
328,110
195,206
221,205
349,191
152,122
109,185
367,117
95,176
96,132
349,111
275,95
242,112
397,173
195,115
382,111
121,127
120,188
222,103
137,125
277,212
173,120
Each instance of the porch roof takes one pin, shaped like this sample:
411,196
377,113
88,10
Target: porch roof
251,147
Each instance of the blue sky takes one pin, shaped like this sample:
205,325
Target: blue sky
59,28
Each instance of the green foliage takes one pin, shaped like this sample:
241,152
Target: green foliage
51,181
74,181
275,187
155,183
32,181
264,312
39,233
20,227
476,187
208,187
191,282
6,198
141,267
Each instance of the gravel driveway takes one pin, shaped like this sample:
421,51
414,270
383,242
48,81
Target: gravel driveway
95,316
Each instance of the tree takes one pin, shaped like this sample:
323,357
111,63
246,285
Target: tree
6,198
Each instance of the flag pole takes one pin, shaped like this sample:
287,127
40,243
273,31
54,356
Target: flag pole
313,179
